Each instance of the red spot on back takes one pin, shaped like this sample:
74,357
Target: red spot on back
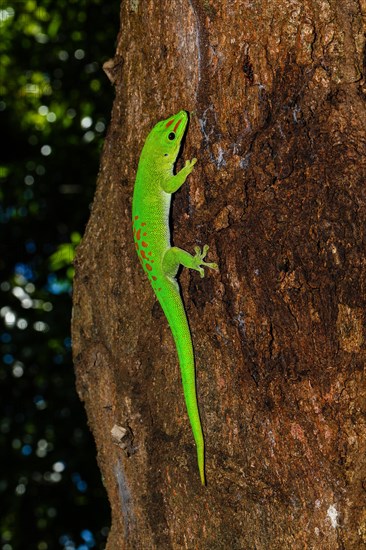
169,123
144,244
138,234
153,278
136,246
144,234
136,217
148,267
143,255
143,224
176,126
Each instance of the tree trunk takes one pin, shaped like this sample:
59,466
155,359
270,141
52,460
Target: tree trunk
278,97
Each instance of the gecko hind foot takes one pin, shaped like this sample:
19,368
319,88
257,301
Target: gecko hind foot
199,260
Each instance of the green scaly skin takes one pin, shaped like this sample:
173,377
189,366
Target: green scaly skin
155,183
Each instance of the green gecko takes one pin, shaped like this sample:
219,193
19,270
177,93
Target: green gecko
155,183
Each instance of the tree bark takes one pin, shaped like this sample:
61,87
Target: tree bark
278,97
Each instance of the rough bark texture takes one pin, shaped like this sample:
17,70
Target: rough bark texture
279,99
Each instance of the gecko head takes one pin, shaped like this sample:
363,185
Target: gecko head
166,137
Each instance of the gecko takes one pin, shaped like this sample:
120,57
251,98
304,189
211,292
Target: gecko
155,183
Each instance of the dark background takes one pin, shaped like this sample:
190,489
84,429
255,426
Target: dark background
55,103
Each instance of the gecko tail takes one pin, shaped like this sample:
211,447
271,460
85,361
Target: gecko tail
201,463
174,310
190,395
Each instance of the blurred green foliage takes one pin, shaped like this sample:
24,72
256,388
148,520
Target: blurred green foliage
54,106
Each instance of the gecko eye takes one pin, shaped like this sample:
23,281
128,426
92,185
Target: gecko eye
171,136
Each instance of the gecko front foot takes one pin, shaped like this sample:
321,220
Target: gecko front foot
198,260
188,167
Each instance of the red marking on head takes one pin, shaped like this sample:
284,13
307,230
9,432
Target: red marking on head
138,234
143,255
148,267
153,278
144,244
176,126
169,123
